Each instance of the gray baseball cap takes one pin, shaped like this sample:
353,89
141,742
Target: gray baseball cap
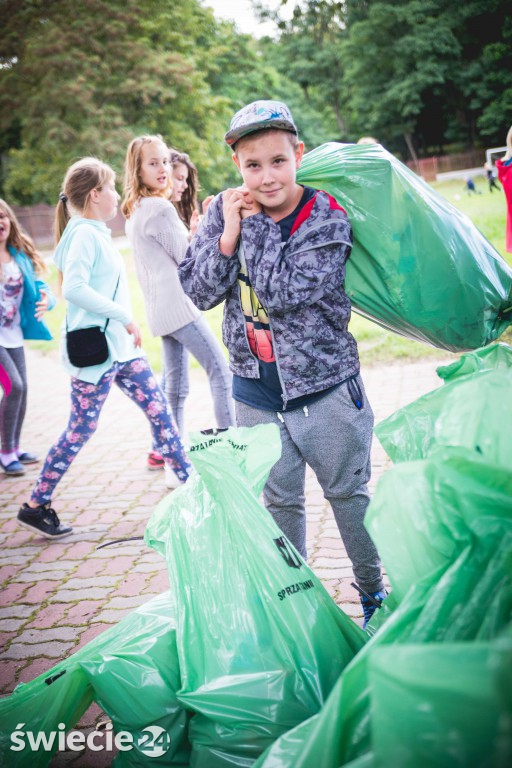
258,115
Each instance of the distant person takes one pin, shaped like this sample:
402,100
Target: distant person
95,287
491,178
159,239
24,298
504,167
184,190
275,253
470,186
367,140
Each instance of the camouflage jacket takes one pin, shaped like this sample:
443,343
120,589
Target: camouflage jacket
301,285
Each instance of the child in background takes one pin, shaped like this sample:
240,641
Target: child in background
185,186
491,178
183,195
470,186
504,167
275,252
95,287
159,239
24,298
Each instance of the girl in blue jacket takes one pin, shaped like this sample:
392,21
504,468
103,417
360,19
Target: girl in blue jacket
24,299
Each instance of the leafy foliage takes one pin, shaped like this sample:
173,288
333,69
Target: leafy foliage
84,78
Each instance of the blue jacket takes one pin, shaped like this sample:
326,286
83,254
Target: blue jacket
301,285
32,287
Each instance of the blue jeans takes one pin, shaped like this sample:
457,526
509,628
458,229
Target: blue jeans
197,339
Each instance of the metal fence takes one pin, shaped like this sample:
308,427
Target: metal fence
429,167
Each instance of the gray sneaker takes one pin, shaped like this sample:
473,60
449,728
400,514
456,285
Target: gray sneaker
43,520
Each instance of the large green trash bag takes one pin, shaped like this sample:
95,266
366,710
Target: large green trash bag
130,669
473,409
135,677
260,641
494,356
420,721
419,266
443,528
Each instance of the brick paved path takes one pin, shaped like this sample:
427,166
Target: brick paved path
57,596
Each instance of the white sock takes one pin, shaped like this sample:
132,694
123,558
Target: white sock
7,458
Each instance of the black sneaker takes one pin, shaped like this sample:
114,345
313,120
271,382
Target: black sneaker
43,519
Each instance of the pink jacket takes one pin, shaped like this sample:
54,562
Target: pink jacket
505,176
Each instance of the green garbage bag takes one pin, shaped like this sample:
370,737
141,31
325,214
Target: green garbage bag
420,721
490,358
473,410
419,266
443,527
130,670
260,641
135,676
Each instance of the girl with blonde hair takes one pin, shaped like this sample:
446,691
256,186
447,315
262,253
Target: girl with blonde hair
159,239
24,298
95,287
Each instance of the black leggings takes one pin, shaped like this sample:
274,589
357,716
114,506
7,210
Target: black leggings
13,381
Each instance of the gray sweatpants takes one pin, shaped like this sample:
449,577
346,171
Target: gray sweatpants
334,438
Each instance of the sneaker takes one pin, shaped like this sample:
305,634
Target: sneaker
13,468
43,520
370,607
172,480
28,458
155,461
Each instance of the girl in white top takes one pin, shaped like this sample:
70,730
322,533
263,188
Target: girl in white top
159,239
95,287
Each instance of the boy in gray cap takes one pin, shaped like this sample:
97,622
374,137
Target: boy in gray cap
275,252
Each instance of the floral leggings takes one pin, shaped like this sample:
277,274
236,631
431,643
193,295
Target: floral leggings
136,379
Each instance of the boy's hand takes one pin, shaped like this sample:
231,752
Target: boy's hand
237,204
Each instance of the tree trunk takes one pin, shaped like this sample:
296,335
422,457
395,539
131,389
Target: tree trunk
410,147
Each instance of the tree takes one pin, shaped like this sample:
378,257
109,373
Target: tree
84,78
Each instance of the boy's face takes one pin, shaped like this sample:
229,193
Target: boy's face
268,163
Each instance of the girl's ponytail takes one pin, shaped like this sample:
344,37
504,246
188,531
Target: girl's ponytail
61,217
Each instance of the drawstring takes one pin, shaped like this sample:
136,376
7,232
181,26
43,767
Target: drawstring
281,418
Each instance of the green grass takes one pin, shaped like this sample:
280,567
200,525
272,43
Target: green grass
376,345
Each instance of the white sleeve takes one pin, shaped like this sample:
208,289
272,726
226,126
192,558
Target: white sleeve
168,230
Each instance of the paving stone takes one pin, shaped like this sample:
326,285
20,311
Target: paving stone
15,612
72,595
52,650
111,616
126,602
49,567
97,581
46,635
12,625
11,557
329,573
